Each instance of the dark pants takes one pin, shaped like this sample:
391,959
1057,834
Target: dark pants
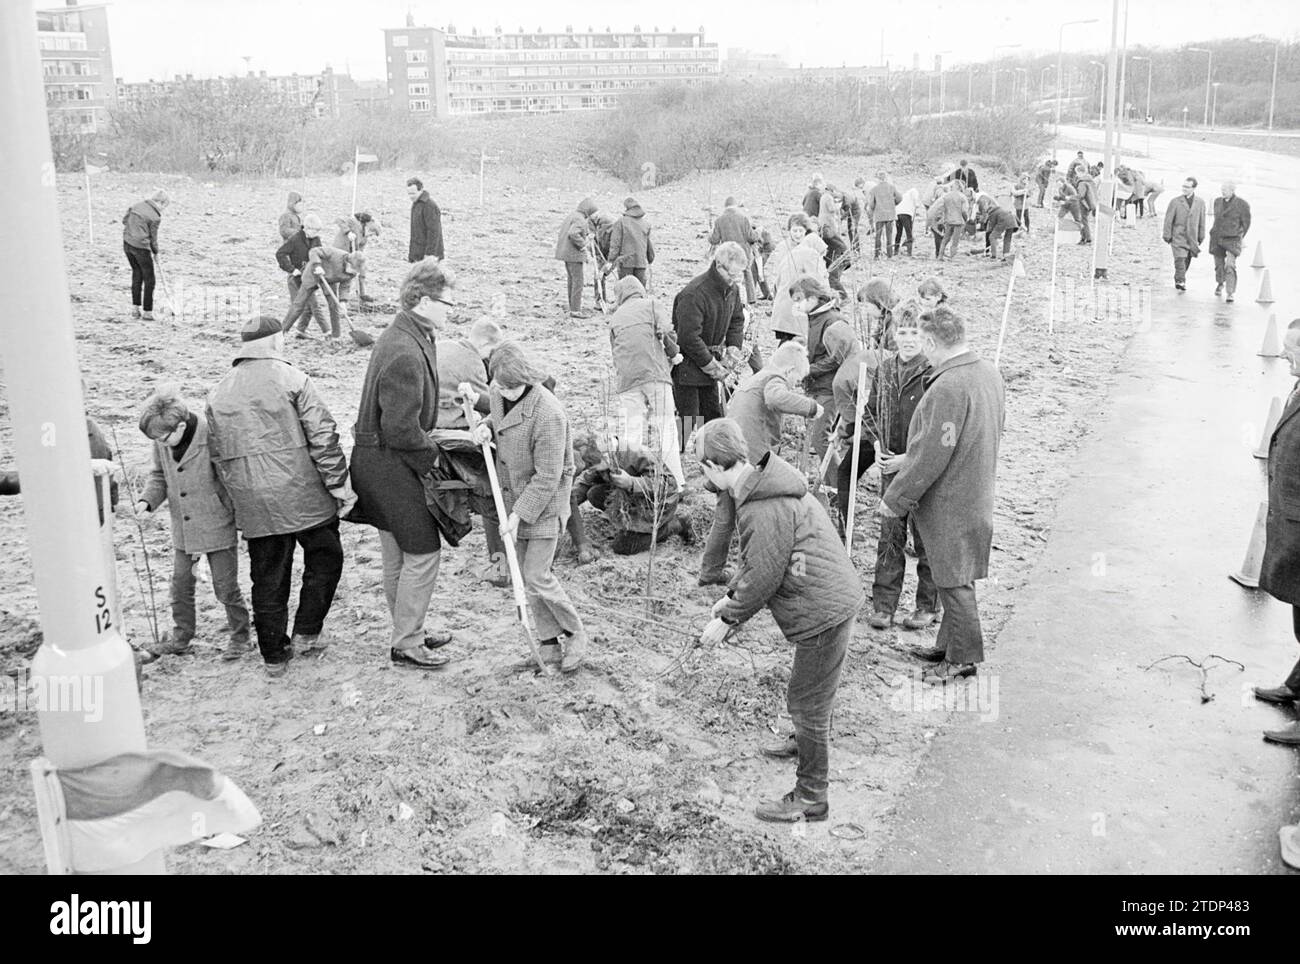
991,241
271,566
891,564
938,235
1293,681
883,230
574,271
904,228
1022,217
142,280
1042,192
1225,254
701,400
638,273
810,697
1180,269
959,634
836,262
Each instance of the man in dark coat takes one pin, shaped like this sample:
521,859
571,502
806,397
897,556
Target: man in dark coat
812,200
1279,573
399,407
946,479
630,246
1231,222
1184,230
965,175
426,224
708,318
734,225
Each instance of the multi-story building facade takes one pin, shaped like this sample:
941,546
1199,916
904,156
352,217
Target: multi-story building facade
328,94
444,73
77,61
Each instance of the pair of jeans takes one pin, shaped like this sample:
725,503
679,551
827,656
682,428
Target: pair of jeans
885,231
718,543
959,634
952,238
939,238
648,417
313,307
224,566
1225,263
810,697
1180,269
904,227
991,241
409,578
573,269
271,566
142,279
549,604
891,563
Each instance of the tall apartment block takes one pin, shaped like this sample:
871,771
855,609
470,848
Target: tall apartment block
445,73
78,64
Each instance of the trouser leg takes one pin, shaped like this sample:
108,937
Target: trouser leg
1180,270
844,478
1293,680
718,543
810,698
663,429
417,574
1230,271
821,425
224,566
959,634
322,558
573,270
183,617
270,563
552,611
137,274
927,593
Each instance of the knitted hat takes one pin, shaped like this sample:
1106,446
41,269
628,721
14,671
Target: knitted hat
261,326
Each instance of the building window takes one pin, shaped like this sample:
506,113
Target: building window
417,90
417,56
401,40
419,107
417,73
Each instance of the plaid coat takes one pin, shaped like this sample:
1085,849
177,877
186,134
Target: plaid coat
534,461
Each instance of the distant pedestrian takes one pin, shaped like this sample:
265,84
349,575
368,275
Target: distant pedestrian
630,247
1020,201
1068,197
965,175
1043,178
331,272
1184,230
734,225
1076,165
1231,222
812,200
837,250
571,247
909,212
292,258
955,211
999,223
882,212
426,224
291,219
140,241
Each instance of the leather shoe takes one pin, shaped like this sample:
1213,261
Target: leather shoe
782,749
880,619
920,619
1288,737
945,671
436,640
575,652
417,657
931,654
790,809
1280,695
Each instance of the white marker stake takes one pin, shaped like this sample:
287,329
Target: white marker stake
1017,271
90,212
356,154
1051,298
859,406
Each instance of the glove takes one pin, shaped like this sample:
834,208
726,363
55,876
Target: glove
466,391
352,235
678,359
806,384
318,270
345,498
715,370
296,273
101,466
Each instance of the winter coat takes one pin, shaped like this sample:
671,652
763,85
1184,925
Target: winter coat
203,519
900,387
426,230
1185,226
758,404
290,223
1020,194
882,203
398,408
1000,219
831,339
955,208
458,362
967,177
829,217
364,232
934,215
844,389
140,225
812,202
571,245
787,265
640,338
708,316
275,445
734,225
292,255
634,510
1087,189
1279,574
534,460
629,242
1231,220
791,560
948,476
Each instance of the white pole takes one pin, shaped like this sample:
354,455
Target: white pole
90,212
1051,298
81,627
1272,97
1006,313
482,156
356,152
860,406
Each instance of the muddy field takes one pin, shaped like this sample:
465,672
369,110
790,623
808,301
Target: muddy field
624,767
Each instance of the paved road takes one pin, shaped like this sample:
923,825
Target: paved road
1093,765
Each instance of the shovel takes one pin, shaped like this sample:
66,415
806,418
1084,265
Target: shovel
363,339
512,557
162,283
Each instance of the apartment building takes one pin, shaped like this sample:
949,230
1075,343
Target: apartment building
327,94
446,73
77,61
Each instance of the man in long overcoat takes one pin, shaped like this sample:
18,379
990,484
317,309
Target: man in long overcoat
946,480
1184,230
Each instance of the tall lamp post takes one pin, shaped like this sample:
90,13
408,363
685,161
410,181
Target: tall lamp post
1272,97
1025,71
1209,72
1101,87
1060,51
1042,82
1214,104
993,94
1147,115
939,59
1106,189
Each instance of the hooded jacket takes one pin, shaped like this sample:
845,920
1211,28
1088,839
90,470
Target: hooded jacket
707,314
640,337
629,241
363,232
290,223
292,255
791,560
275,444
140,225
426,230
571,245
758,404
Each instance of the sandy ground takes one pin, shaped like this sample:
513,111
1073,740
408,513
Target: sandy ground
620,768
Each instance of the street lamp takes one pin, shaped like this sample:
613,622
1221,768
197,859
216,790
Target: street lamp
1214,109
1025,71
1209,71
1277,46
1060,50
1101,85
1042,82
993,94
1148,60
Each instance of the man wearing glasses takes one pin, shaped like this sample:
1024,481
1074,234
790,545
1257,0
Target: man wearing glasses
1184,230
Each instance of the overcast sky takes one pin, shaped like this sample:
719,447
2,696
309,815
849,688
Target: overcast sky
160,38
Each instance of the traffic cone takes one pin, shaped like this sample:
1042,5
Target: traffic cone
1248,576
1270,423
1272,347
1265,290
1259,255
